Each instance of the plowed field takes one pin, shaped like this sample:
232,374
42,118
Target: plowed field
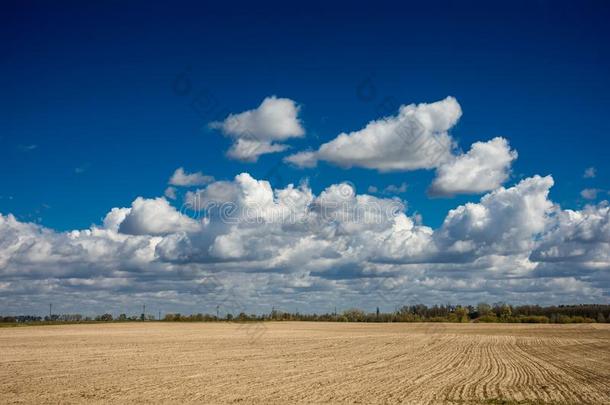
300,362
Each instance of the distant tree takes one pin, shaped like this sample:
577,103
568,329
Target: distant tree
505,311
420,309
461,314
104,318
354,315
483,309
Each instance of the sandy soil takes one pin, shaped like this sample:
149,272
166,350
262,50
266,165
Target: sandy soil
306,363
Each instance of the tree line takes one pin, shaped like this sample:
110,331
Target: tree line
483,312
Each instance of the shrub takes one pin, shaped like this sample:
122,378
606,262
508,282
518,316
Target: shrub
573,319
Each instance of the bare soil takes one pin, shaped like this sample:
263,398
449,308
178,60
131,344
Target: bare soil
301,362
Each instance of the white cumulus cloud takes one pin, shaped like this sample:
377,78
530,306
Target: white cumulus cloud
153,217
577,243
415,138
183,179
418,138
483,168
294,245
504,221
255,132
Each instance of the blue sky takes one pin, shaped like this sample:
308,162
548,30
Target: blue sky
92,118
90,86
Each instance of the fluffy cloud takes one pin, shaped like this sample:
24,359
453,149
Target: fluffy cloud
255,132
485,167
249,150
34,252
152,217
305,159
183,179
252,244
415,138
505,221
578,237
418,138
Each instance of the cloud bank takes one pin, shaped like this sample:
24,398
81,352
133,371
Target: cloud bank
289,246
244,246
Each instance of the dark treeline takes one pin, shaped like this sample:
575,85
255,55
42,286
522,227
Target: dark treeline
499,312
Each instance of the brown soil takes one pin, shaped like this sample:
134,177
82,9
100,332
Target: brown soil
301,362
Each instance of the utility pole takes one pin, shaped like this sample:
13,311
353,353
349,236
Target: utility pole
159,318
143,312
217,312
50,311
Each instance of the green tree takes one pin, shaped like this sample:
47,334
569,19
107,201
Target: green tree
461,314
484,308
505,311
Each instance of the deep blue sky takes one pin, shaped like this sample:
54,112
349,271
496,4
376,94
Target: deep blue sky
90,119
